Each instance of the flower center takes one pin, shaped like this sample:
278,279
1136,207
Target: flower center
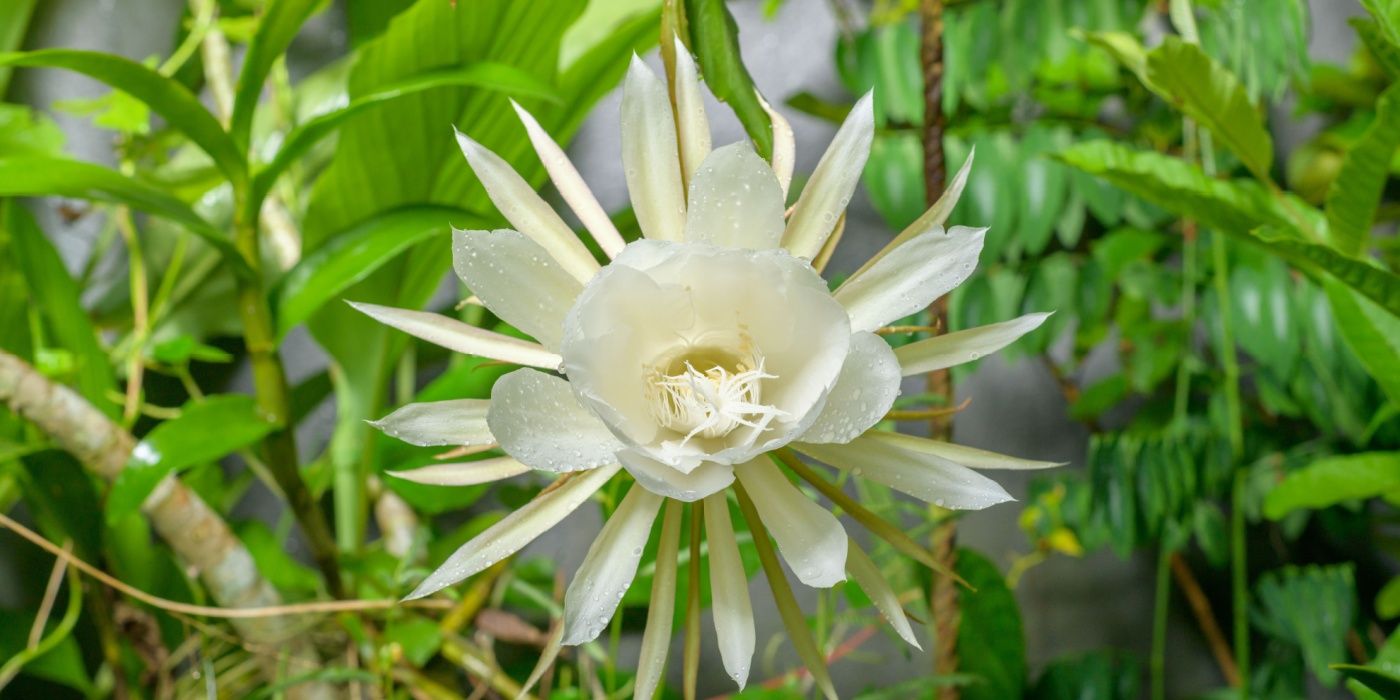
709,391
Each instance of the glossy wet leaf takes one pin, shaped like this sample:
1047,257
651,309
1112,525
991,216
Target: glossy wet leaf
204,431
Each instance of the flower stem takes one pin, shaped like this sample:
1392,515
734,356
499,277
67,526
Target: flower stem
691,661
274,400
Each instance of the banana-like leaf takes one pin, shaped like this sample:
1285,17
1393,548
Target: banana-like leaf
278,26
42,177
165,96
485,75
355,255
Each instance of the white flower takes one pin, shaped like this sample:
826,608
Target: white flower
691,354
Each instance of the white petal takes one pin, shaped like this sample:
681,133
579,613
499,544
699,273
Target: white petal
958,347
461,337
829,190
735,201
458,422
694,128
527,211
516,530
664,480
921,475
809,537
910,277
608,569
729,587
656,638
650,155
547,657
864,392
482,471
517,280
571,186
868,576
933,218
784,146
538,421
962,454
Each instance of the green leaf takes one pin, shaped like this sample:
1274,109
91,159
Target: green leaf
991,644
276,565
1372,334
1208,93
1388,599
26,132
1233,206
42,177
488,76
1380,286
1386,685
1382,46
1332,480
58,297
1355,194
114,110
203,432
168,98
419,638
62,664
1281,224
278,26
1311,607
1093,676
14,21
1124,48
714,38
353,256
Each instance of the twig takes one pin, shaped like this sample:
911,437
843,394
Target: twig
41,618
1205,618
313,608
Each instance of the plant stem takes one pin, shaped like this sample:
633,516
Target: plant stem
1161,605
1239,562
274,400
943,594
691,661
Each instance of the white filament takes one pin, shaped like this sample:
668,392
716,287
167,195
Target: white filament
713,402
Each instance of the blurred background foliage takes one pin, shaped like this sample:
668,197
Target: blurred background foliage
1242,294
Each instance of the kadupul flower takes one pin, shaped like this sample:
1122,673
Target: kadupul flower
692,355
